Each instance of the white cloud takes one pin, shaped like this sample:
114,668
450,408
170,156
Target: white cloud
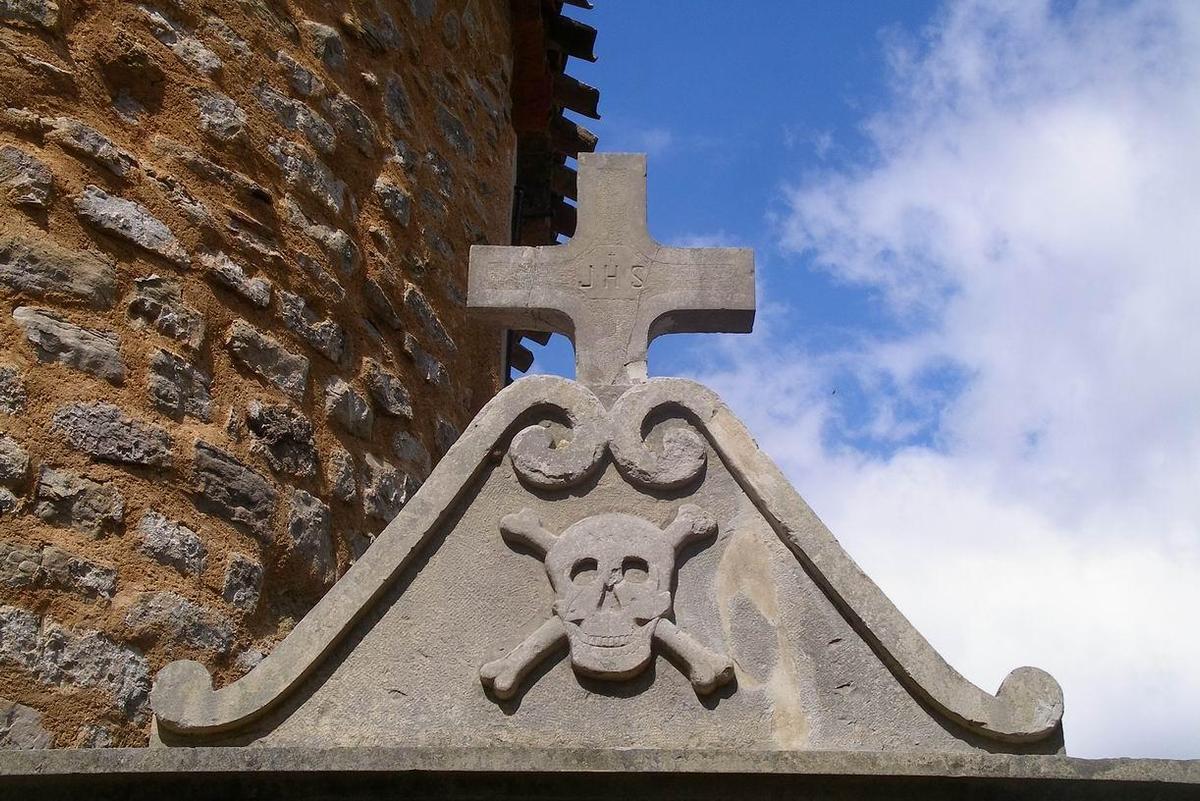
1032,214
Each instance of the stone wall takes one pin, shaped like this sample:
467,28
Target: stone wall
233,251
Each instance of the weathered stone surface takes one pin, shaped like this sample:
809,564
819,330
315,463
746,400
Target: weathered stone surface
42,269
285,436
8,501
395,201
158,302
642,290
66,499
243,581
56,340
26,180
306,173
267,358
12,390
409,449
302,80
181,621
21,727
337,244
427,365
388,390
395,102
55,654
182,43
347,408
294,115
14,462
131,222
326,336
310,536
48,566
418,305
177,389
209,170
105,432
91,735
225,272
221,118
327,45
342,477
82,140
45,13
229,489
379,303
445,434
67,571
352,123
386,488
172,543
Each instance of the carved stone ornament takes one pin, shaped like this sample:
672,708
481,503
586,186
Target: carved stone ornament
612,576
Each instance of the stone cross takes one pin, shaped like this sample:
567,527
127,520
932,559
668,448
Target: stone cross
612,289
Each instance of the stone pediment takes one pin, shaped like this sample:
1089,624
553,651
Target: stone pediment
584,574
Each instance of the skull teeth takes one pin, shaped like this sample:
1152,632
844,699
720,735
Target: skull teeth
605,640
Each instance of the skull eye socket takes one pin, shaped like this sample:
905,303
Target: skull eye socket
635,569
583,571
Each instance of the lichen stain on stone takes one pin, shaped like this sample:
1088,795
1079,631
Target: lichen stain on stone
764,658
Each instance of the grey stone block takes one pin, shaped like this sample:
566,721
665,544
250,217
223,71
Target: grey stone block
342,477
418,306
43,13
178,389
306,173
285,437
158,302
62,570
294,115
42,269
82,140
386,488
455,133
26,180
348,409
225,272
105,432
325,336
8,501
14,462
12,390
410,450
326,44
396,202
65,499
379,303
182,43
388,390
445,434
229,489
221,118
266,357
395,102
172,543
56,340
21,727
131,222
427,365
352,123
181,621
243,581
310,537
302,80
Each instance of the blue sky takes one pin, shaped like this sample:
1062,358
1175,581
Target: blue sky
975,228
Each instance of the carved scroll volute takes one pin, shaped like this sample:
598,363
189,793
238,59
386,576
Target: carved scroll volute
683,455
543,463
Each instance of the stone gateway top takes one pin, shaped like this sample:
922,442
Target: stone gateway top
612,289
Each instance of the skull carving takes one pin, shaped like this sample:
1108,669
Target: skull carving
612,575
